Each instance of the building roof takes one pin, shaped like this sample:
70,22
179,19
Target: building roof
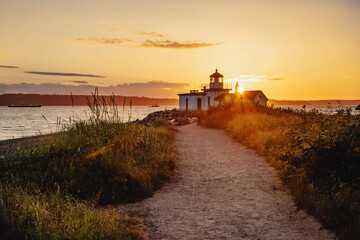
251,95
216,74
194,94
247,95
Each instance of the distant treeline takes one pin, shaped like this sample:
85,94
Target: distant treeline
337,103
78,100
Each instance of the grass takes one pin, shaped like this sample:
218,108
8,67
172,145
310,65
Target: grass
54,190
32,214
318,156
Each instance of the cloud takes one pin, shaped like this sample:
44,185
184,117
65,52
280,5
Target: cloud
152,34
256,78
66,74
116,30
2,56
275,79
105,41
148,89
105,22
5,66
82,82
176,45
169,44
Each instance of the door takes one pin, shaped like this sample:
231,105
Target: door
187,104
199,103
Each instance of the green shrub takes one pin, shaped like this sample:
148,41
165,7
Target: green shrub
318,155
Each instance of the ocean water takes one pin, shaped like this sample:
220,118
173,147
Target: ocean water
324,109
24,122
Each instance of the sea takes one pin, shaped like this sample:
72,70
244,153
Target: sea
30,121
25,122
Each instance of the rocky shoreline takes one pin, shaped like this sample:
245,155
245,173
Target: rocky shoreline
174,116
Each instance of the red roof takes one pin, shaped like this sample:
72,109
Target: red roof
251,95
216,74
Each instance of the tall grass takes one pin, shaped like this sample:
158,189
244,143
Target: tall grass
318,155
27,213
54,189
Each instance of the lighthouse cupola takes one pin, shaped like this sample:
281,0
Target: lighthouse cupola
216,80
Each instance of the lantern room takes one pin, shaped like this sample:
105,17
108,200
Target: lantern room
216,80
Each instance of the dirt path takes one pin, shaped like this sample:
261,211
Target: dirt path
223,191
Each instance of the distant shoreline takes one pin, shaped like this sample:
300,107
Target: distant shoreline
80,100
315,103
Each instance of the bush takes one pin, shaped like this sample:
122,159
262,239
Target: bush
318,156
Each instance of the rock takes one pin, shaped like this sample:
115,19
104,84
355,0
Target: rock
174,116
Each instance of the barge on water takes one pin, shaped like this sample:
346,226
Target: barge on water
27,105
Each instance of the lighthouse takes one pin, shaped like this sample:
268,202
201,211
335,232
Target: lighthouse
204,99
216,92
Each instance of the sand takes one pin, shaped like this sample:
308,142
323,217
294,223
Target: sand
223,190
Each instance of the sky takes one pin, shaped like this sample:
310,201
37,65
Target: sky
289,49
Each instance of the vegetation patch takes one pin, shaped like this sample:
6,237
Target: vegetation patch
54,190
318,155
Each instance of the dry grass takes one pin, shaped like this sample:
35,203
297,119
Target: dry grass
54,190
318,156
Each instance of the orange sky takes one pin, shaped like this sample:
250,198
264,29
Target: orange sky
289,49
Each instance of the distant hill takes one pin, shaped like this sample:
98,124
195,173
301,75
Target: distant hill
79,100
314,102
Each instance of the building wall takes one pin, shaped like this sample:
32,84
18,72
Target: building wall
192,101
204,100
261,99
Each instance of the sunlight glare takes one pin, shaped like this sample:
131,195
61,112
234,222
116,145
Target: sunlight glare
240,89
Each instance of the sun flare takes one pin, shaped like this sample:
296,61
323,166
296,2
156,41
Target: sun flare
240,89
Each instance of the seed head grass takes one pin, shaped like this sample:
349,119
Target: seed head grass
318,156
55,189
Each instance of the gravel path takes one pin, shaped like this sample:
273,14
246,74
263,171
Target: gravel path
222,190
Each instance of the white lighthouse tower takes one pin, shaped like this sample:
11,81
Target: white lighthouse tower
206,97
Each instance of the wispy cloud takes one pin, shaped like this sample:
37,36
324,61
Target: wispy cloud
176,45
82,82
152,40
153,34
66,74
6,66
105,41
2,56
256,78
148,89
116,30
105,22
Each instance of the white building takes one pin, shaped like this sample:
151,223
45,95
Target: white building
206,97
217,92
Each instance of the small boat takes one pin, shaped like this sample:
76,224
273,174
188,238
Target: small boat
154,105
27,105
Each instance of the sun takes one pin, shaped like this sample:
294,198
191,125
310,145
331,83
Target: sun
240,89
